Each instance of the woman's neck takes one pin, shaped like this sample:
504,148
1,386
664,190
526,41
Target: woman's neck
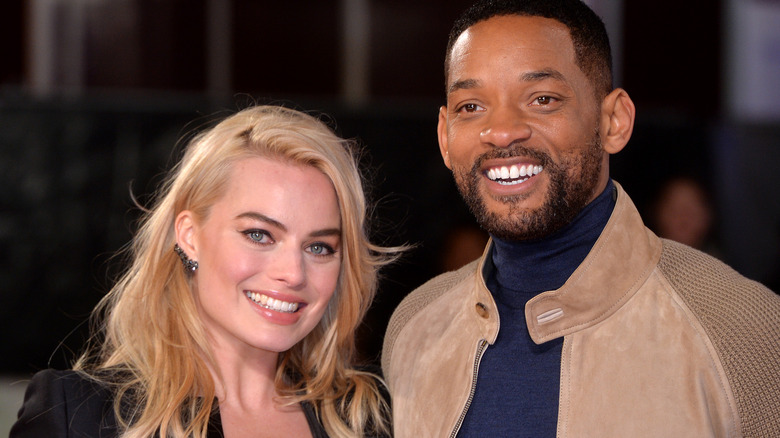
249,405
243,375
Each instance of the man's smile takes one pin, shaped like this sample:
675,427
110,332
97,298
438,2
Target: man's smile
512,174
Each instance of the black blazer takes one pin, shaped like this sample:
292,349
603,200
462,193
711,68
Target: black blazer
62,404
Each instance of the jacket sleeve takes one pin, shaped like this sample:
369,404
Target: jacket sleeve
63,404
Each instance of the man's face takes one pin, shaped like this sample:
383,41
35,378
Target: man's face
520,129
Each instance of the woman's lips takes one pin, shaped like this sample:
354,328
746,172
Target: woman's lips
272,303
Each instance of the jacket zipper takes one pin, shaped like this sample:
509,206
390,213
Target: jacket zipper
480,349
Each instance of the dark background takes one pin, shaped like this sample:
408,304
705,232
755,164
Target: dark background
71,154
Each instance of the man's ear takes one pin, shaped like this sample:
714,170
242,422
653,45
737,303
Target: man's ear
441,129
184,229
617,120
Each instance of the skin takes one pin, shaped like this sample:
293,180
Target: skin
517,97
275,231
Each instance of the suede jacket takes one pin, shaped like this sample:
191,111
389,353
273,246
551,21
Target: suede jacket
660,340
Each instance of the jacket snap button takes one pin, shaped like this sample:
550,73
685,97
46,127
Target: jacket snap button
482,310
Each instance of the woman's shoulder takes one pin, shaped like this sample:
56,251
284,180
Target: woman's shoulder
68,386
65,403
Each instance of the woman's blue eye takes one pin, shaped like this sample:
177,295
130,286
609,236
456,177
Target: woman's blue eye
258,236
320,249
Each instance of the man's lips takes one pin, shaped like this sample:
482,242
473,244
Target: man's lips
512,174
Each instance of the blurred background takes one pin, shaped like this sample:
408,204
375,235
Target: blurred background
95,95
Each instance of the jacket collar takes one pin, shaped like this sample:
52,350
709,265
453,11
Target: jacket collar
622,258
483,303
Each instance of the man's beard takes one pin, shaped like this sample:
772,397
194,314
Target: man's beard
567,195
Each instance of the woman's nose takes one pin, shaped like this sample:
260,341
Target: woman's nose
287,266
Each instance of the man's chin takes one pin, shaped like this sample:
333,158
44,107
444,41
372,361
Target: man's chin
508,223
508,230
518,221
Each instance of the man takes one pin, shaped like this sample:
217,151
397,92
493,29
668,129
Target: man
577,321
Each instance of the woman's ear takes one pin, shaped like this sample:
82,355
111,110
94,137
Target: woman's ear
184,228
617,120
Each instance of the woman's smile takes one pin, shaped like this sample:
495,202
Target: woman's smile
269,254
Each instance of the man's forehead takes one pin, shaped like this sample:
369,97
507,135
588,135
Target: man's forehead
514,30
525,38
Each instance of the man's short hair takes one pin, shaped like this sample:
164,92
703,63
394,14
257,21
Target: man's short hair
588,34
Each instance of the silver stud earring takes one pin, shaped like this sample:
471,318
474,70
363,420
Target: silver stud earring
190,266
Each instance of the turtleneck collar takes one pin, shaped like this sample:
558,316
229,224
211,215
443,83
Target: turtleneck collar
524,269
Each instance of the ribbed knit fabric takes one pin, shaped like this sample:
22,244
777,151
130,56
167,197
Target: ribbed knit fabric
741,318
518,382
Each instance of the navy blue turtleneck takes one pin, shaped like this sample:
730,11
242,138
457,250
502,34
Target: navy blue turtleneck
518,381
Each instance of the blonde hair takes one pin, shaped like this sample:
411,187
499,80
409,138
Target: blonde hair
154,352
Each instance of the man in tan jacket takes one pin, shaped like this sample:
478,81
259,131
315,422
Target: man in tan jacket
577,321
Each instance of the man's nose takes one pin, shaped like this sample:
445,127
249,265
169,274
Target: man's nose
503,127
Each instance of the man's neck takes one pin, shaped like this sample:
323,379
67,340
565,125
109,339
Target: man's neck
531,267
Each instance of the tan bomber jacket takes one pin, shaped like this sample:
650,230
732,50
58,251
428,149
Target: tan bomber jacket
660,340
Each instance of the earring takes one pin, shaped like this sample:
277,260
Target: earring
189,265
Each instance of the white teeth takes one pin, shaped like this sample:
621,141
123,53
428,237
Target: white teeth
272,303
512,173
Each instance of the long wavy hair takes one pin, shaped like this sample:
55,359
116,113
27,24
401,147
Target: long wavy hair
153,350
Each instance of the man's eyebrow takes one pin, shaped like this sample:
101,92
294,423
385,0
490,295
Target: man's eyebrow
531,76
464,85
540,75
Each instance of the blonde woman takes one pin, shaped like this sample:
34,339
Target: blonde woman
249,277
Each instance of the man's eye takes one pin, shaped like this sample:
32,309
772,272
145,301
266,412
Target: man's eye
544,100
470,107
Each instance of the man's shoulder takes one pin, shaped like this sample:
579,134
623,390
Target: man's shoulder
433,289
705,280
419,299
741,318
722,298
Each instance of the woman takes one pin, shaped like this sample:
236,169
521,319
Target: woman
254,335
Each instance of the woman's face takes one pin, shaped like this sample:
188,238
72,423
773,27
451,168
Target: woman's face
269,255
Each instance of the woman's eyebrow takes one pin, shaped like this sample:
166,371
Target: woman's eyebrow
263,218
327,232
